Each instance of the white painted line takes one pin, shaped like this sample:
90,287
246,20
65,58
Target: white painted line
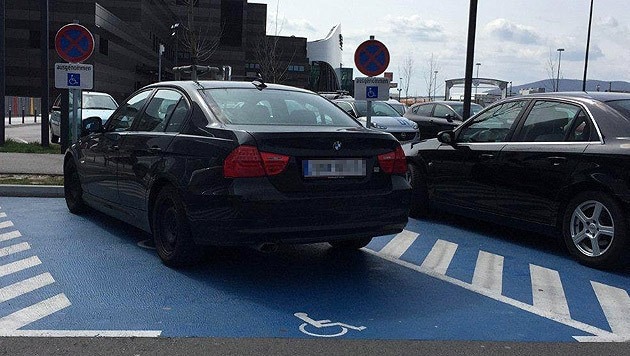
81,333
615,303
3,215
440,256
399,244
489,272
20,265
5,224
14,249
33,313
602,334
22,287
547,291
9,235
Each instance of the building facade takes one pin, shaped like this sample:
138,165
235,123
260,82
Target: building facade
128,34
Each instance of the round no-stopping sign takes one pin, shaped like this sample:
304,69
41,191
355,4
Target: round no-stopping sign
371,58
74,43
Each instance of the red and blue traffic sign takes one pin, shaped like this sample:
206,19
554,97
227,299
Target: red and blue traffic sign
371,58
74,43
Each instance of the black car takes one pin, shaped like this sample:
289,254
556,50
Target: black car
552,162
435,116
227,163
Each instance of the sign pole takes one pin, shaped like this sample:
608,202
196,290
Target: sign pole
45,104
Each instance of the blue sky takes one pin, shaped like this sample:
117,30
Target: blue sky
516,39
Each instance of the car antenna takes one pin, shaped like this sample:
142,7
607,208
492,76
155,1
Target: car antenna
259,83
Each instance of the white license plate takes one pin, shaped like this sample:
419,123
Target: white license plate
332,168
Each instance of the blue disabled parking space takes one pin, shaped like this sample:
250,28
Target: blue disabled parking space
93,273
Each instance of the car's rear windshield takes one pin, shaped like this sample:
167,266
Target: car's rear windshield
623,106
98,102
379,108
459,109
243,106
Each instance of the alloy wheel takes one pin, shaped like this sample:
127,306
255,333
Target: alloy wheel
592,228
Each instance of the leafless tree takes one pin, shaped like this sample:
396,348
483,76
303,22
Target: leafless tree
430,75
406,70
552,74
197,37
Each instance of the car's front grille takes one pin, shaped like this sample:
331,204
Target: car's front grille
405,136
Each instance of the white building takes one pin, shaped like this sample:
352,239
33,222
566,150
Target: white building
328,51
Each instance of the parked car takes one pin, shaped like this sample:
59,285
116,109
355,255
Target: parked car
435,116
383,117
238,163
398,106
93,104
558,163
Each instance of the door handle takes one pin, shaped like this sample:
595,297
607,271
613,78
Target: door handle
486,156
557,160
114,148
155,149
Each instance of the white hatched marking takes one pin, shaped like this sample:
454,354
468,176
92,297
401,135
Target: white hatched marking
20,265
33,313
399,244
547,291
9,235
440,256
5,224
489,272
615,303
28,285
81,333
3,215
14,249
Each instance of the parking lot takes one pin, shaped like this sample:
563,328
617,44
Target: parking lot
441,279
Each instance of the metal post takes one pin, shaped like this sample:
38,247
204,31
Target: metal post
45,23
64,121
35,117
434,84
2,72
22,114
470,55
588,43
560,50
368,118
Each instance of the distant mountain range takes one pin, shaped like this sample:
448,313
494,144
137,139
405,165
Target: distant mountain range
570,85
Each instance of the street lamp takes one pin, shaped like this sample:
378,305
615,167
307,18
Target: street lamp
434,83
399,87
160,52
560,50
174,28
477,82
588,43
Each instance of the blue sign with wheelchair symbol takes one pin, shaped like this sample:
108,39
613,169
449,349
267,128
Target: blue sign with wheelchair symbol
74,79
371,92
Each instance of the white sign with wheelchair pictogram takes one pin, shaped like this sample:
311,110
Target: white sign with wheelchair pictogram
324,328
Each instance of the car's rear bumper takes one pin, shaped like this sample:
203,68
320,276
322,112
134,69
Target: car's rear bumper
269,216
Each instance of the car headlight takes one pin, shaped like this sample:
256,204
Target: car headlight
414,126
378,126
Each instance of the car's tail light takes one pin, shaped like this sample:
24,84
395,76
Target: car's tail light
247,161
393,162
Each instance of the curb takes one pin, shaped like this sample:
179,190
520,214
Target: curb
37,191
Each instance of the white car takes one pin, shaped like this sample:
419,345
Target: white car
93,104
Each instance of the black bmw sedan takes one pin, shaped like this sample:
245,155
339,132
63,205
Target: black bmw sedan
557,163
228,163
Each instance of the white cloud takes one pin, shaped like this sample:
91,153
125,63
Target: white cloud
505,30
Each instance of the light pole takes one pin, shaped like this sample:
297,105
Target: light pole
560,50
399,88
477,82
588,43
160,52
434,83
174,28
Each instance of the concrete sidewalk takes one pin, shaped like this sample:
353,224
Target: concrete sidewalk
31,163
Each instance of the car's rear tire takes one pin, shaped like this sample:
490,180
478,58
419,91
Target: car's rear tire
171,230
72,190
352,244
595,230
419,192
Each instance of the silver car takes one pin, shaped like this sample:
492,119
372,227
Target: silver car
93,104
383,117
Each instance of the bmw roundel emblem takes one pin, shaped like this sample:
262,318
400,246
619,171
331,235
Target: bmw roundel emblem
337,145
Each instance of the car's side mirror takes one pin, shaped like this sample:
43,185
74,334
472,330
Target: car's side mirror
447,137
92,124
449,117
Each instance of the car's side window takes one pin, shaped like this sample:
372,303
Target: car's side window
493,125
123,118
549,121
423,110
442,111
178,116
158,111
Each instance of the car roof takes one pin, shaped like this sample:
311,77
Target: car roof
599,96
213,84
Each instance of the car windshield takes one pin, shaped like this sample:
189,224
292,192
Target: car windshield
244,106
623,106
379,108
459,109
103,102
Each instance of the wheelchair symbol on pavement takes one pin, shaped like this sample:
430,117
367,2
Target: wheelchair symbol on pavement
338,329
74,79
371,92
